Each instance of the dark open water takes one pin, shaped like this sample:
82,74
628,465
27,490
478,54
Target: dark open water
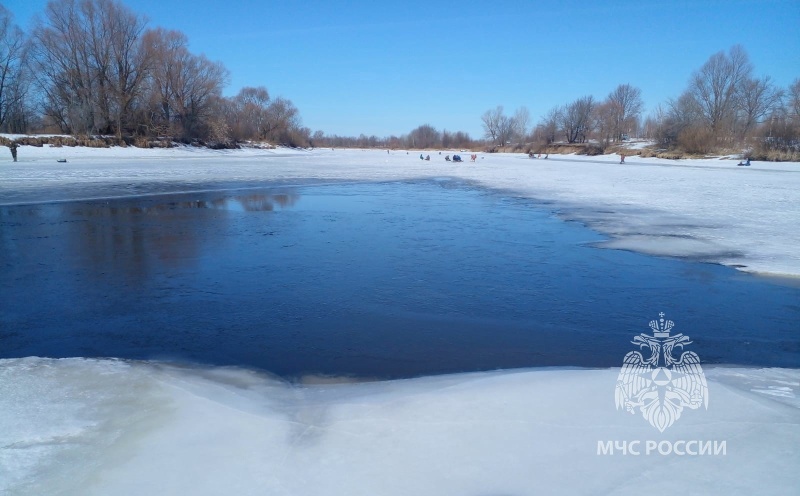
375,280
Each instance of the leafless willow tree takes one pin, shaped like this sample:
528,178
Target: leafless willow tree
89,64
757,99
498,127
163,46
794,100
13,82
129,62
605,122
196,82
521,121
716,86
184,87
491,120
62,70
546,129
624,108
576,119
248,116
680,115
424,136
458,139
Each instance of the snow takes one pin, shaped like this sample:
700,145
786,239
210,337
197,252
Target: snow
744,217
98,427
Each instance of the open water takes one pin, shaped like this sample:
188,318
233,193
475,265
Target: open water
370,280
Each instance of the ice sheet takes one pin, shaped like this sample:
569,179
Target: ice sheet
99,427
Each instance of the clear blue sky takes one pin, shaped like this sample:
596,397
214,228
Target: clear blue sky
384,68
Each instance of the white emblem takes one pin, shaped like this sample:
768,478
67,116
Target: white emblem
660,385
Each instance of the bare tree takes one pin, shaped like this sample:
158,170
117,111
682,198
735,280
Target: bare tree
505,130
492,122
547,128
625,107
715,87
62,68
282,120
89,63
129,61
197,81
606,121
424,136
682,115
794,99
576,119
520,123
163,46
460,139
12,55
757,98
248,113
184,86
447,139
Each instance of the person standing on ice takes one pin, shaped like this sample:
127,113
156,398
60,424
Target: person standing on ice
13,147
622,158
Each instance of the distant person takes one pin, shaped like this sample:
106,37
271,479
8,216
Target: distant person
622,158
13,148
421,157
473,157
427,157
447,158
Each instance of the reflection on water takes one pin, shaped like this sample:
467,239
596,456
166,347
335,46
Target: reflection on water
382,280
126,240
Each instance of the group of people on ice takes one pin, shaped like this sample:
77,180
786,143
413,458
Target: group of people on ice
456,158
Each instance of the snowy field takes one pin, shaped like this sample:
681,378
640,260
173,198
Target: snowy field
100,427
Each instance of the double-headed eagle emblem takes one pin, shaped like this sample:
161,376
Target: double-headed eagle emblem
659,385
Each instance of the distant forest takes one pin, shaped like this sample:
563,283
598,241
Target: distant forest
95,68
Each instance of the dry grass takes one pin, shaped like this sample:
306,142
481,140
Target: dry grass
88,141
590,149
775,155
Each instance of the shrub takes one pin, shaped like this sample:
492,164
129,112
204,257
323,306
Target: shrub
696,140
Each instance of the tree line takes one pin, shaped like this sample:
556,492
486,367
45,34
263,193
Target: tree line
611,120
422,137
94,67
725,106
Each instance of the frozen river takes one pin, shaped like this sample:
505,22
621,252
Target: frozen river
379,265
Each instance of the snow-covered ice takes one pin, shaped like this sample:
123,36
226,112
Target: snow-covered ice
100,427
745,217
